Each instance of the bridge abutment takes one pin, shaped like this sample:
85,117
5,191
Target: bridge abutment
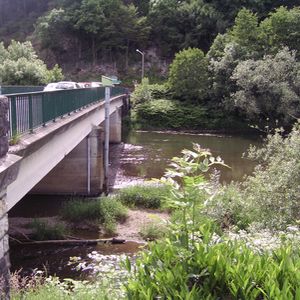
80,172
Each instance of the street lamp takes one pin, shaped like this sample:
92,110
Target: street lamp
143,61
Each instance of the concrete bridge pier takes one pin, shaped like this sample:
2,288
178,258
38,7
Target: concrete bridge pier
115,126
80,172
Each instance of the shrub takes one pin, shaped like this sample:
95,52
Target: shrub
196,263
146,92
44,231
170,114
227,208
269,88
272,193
146,196
210,270
141,93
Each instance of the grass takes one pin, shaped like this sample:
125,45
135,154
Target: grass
144,196
38,287
44,231
107,211
154,230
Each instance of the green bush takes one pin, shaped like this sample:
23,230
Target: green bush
210,270
227,208
195,262
44,231
107,211
145,196
170,114
272,194
19,65
145,92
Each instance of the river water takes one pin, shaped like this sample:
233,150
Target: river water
141,156
146,155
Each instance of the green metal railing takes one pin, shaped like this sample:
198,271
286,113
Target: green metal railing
17,89
31,110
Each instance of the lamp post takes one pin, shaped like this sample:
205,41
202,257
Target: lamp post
143,61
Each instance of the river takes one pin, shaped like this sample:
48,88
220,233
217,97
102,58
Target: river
146,155
141,156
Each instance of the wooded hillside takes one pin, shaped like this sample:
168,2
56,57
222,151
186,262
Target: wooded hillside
103,34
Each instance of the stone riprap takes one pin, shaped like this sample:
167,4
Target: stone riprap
4,248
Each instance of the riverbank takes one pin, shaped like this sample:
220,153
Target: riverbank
143,155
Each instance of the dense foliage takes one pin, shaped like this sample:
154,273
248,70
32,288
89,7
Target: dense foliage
20,65
250,72
188,75
96,31
198,260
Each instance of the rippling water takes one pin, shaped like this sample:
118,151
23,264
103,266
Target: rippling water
147,154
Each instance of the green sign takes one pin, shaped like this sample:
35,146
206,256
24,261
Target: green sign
110,81
106,81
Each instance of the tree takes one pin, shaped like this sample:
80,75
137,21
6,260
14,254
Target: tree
19,64
188,76
282,28
90,18
245,31
49,28
269,89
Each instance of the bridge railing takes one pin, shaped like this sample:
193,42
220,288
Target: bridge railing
31,110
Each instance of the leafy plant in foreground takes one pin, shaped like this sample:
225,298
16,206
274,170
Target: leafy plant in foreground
189,189
193,262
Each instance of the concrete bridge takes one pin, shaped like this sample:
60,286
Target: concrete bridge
58,147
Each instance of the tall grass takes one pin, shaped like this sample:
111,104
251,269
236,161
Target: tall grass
44,231
144,196
106,211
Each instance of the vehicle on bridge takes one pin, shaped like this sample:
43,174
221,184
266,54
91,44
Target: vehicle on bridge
62,85
52,86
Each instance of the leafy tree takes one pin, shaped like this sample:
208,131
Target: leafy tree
20,65
49,28
245,31
282,28
181,24
248,40
188,76
269,89
90,18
